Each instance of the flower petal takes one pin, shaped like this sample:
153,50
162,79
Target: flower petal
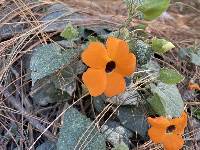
115,84
159,122
173,142
180,123
156,135
95,81
95,55
119,52
126,65
116,47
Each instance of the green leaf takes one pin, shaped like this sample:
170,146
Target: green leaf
65,78
92,38
75,125
134,119
48,58
182,53
196,112
157,105
195,58
161,46
122,33
133,2
44,92
116,134
153,67
132,5
170,98
121,147
126,98
152,9
141,26
69,33
142,50
170,76
99,103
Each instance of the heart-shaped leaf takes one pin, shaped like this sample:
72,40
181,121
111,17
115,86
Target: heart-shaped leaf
142,50
69,33
157,104
47,146
170,76
134,119
116,134
152,9
195,58
46,59
126,98
121,147
161,46
168,97
71,134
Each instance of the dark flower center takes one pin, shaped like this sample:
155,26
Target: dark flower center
154,116
110,66
171,128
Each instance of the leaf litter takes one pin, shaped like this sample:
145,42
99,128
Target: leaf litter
38,25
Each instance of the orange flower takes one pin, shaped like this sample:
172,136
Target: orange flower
108,66
193,86
168,131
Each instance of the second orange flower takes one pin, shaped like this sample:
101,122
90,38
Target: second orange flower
168,131
108,66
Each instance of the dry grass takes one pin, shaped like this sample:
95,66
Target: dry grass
16,106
